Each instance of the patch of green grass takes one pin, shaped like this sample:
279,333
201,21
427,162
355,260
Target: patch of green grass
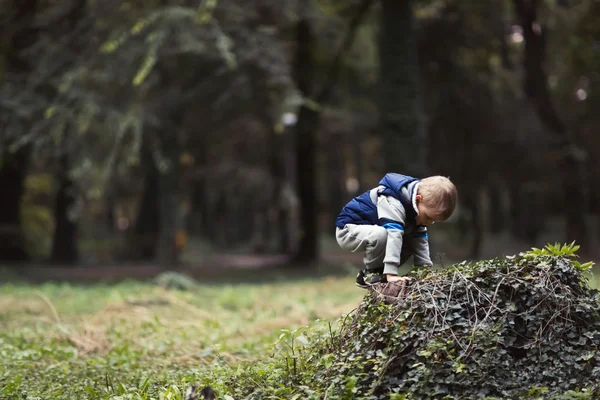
138,341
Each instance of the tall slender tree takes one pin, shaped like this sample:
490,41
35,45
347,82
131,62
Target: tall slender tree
305,138
399,111
64,245
309,118
18,34
537,89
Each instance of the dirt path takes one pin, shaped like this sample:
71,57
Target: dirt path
209,268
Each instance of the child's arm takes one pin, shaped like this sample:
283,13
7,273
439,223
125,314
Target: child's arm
391,215
419,242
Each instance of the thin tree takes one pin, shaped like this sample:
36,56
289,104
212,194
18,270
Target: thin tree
398,101
308,122
535,84
19,33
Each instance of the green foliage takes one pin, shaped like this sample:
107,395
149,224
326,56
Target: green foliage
139,341
36,215
525,326
175,280
564,250
133,70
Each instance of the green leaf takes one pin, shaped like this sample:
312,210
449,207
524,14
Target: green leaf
145,69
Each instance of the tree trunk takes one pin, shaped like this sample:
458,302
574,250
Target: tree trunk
307,192
199,220
278,215
202,220
110,220
335,170
64,247
475,228
496,215
308,123
12,180
146,230
398,102
572,169
171,214
517,212
526,224
170,218
17,34
533,200
199,223
305,130
502,32
357,147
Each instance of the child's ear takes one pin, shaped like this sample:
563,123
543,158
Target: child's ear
419,198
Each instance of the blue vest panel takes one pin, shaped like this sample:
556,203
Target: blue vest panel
362,211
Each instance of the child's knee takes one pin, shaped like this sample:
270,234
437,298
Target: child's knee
347,239
378,237
340,234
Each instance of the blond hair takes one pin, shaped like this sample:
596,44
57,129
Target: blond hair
439,194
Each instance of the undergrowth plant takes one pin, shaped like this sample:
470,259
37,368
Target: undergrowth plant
524,326
517,327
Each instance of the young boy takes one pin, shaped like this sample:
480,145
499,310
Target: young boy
389,223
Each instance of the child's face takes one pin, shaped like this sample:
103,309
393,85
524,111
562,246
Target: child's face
427,216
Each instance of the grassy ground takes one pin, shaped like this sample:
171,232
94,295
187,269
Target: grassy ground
139,341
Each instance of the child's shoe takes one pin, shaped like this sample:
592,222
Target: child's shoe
368,277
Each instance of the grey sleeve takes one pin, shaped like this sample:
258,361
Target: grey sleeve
391,216
419,242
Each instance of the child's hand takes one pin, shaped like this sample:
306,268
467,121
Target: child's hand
396,278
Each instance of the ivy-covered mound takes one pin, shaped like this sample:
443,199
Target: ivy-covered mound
521,326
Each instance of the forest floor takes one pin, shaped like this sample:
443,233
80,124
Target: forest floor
210,265
135,340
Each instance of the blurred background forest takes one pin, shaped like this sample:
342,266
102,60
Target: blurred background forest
180,131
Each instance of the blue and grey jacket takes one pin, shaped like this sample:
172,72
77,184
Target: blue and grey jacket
391,205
